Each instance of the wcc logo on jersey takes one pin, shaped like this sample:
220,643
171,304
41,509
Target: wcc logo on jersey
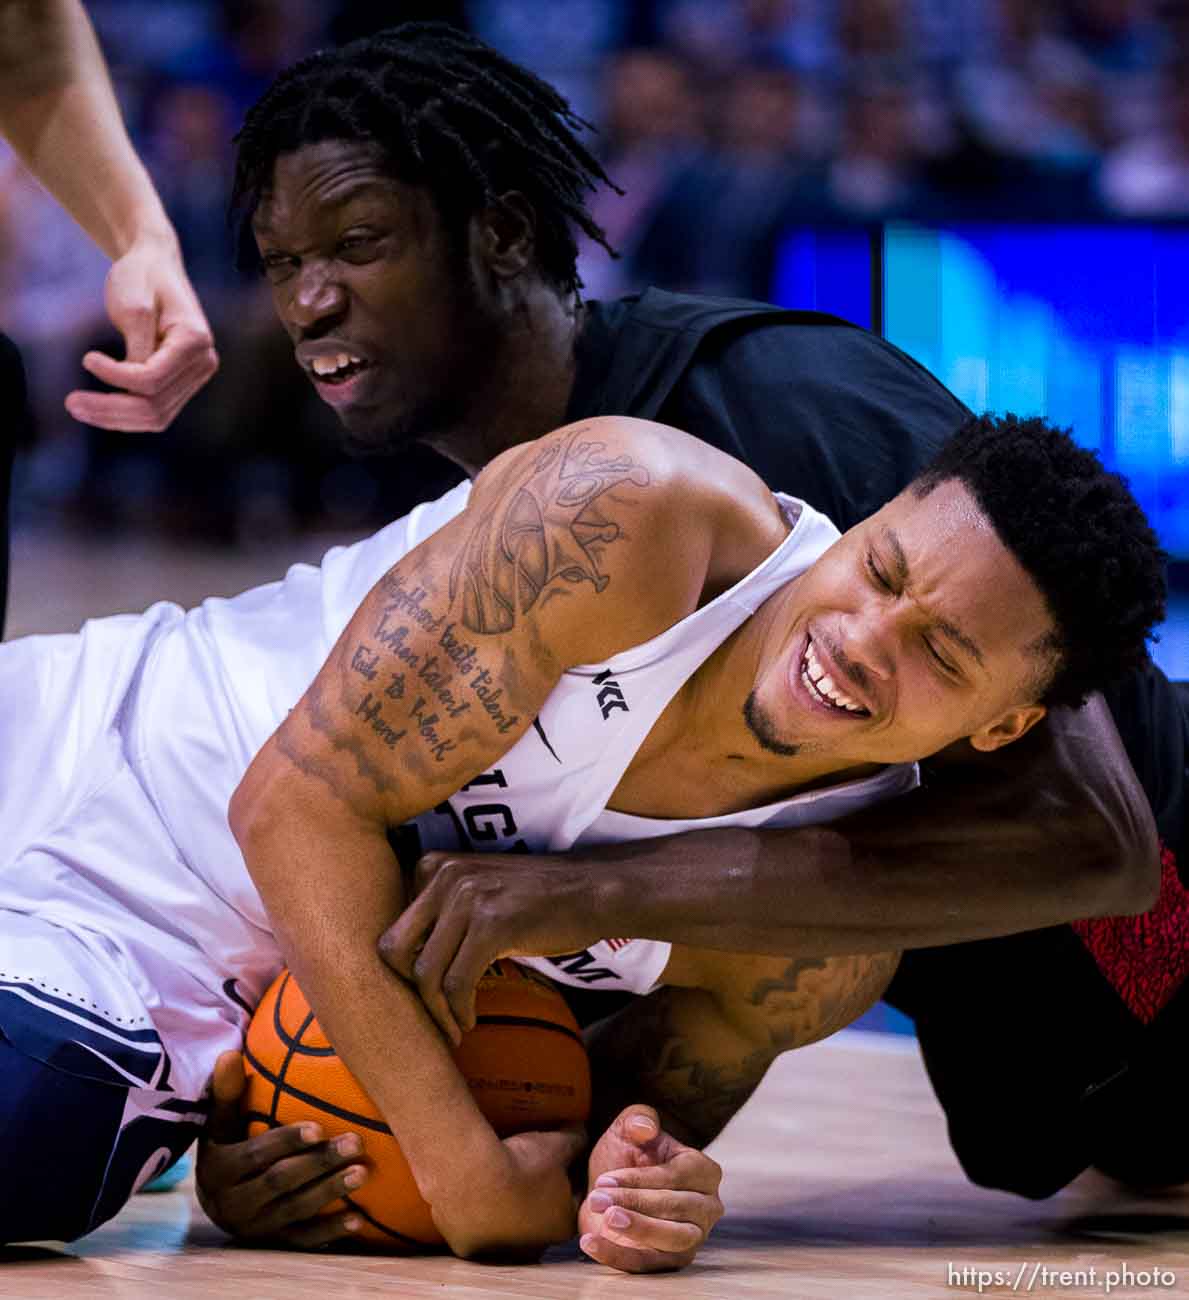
610,695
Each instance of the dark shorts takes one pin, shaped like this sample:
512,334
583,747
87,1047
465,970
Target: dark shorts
73,1150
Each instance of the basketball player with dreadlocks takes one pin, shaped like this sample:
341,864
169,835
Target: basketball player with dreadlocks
441,307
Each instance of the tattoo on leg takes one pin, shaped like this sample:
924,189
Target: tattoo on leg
814,997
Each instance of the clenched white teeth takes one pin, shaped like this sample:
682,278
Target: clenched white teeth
328,365
821,684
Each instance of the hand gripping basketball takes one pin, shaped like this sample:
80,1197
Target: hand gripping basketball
472,909
524,1061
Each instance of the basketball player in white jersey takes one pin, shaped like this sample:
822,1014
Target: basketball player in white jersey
621,630
618,563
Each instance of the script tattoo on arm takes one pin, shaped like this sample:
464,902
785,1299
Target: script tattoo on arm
697,1056
413,684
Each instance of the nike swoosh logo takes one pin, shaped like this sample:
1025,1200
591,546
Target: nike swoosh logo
544,738
231,992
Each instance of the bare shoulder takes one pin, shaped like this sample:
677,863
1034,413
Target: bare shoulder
683,510
726,501
673,460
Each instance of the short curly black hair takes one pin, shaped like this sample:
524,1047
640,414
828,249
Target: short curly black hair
1080,534
448,112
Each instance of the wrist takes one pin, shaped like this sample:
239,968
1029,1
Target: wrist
149,232
611,896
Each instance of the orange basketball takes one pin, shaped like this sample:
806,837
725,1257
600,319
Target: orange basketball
524,1061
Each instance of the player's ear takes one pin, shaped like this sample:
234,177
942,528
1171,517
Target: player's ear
504,234
1009,726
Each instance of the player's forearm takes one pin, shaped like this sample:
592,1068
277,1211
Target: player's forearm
1003,843
58,110
327,921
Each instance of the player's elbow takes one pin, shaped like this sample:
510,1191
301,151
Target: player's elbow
1121,872
1109,882
1104,833
1138,883
498,1248
261,806
505,1220
1101,851
501,1237
241,809
1136,888
247,811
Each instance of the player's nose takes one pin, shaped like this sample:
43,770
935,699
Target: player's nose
318,301
865,645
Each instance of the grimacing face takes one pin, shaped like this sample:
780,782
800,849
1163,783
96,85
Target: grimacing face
916,629
362,267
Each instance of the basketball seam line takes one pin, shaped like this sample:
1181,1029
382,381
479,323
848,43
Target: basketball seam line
531,1022
282,1086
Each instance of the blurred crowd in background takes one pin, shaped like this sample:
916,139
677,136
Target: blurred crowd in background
726,122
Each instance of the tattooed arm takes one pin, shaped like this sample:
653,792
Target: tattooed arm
689,1055
697,1048
556,561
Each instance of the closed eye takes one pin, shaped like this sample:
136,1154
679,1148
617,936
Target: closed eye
877,574
940,660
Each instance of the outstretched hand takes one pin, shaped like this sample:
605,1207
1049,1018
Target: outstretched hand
270,1188
168,348
652,1200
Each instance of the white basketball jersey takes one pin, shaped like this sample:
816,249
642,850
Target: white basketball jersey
128,739
550,790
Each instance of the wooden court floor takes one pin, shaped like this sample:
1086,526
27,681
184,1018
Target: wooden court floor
839,1184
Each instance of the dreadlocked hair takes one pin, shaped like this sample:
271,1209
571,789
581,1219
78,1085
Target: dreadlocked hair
1080,534
448,112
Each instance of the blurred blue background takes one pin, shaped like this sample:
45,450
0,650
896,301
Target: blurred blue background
1086,325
